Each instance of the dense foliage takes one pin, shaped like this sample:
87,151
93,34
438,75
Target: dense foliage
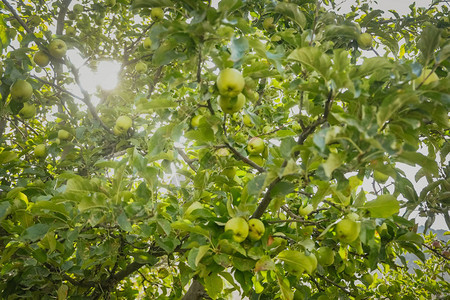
125,192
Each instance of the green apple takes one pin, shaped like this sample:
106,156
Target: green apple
195,121
429,75
257,159
230,82
57,48
116,131
365,41
304,211
347,230
256,229
248,121
230,105
123,123
349,268
325,256
147,43
78,8
229,172
380,177
382,288
367,279
71,31
157,14
141,67
41,58
40,150
21,91
239,227
225,31
63,134
28,111
255,145
222,152
268,24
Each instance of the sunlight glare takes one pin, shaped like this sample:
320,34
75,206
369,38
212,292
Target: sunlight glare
107,74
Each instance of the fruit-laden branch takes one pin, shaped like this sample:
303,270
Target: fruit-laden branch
310,129
436,252
245,159
337,285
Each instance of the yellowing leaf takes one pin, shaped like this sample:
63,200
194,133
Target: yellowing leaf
383,206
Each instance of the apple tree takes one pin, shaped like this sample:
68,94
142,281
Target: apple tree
252,148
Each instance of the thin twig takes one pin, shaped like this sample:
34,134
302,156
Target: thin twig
186,159
245,159
336,285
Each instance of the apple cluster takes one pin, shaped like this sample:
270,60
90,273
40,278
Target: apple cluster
253,229
231,83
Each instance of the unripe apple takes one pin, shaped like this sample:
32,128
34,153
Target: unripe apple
78,8
304,211
222,152
57,48
256,229
248,121
365,41
147,43
63,134
367,279
28,111
347,230
380,177
230,105
71,31
41,58
436,244
313,261
123,123
230,82
255,145
116,131
195,121
40,150
325,256
157,14
21,91
141,67
429,75
239,227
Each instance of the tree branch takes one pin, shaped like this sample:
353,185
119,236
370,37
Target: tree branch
245,159
336,285
196,292
186,159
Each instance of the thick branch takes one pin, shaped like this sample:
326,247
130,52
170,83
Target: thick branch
196,291
62,14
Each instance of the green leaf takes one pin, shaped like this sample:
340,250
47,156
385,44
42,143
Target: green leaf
383,206
296,260
156,103
413,158
143,257
333,162
291,11
370,65
264,263
4,209
392,104
62,292
124,223
238,48
314,58
285,288
411,237
213,285
35,232
7,156
429,41
202,250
